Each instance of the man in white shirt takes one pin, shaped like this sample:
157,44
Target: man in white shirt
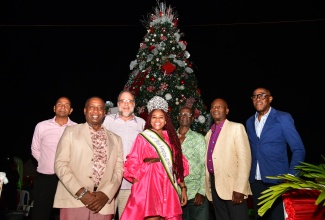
127,126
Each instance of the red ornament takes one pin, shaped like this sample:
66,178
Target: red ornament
151,48
199,91
161,14
169,68
196,113
182,82
152,79
170,109
175,22
184,42
138,81
163,38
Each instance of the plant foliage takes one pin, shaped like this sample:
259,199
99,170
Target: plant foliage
310,177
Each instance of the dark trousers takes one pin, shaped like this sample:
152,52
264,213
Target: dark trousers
44,192
224,209
194,212
276,212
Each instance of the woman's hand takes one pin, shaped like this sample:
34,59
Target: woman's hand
184,194
134,180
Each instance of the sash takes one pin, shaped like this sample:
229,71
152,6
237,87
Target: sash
164,152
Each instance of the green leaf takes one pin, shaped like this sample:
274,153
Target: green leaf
310,177
320,198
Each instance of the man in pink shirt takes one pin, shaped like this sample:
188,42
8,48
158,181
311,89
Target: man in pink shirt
46,136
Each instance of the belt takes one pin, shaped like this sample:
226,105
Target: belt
151,160
48,175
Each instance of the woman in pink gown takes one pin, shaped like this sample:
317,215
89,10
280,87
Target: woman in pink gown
153,162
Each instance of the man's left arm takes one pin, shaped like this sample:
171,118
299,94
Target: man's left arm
295,143
201,161
244,159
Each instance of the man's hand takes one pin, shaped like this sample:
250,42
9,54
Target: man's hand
199,199
95,201
237,198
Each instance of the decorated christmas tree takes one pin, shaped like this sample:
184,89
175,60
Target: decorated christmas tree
162,67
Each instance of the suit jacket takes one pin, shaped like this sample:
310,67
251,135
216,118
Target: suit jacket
73,166
231,161
270,150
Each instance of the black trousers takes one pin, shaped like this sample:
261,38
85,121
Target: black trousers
43,193
193,212
224,209
276,212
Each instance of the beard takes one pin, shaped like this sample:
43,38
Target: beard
126,114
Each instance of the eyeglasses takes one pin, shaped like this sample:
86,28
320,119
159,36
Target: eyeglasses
125,101
261,96
181,114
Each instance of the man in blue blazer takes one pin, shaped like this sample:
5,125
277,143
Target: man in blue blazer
270,133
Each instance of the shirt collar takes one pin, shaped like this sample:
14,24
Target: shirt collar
264,116
215,126
117,115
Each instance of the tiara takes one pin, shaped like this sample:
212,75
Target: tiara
157,102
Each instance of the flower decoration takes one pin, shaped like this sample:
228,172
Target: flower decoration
3,178
108,105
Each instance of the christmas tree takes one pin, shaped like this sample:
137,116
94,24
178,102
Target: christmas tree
162,67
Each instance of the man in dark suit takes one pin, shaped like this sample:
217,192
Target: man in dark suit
270,132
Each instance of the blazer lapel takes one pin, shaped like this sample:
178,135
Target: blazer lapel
268,123
86,134
110,144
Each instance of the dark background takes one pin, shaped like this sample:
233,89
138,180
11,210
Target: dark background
49,49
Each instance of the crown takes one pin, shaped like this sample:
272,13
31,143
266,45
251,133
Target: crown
157,102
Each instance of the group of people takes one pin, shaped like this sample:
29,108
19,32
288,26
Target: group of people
120,166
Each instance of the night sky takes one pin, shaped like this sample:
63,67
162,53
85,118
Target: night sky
79,50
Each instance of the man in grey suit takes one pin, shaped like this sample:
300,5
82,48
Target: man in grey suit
89,164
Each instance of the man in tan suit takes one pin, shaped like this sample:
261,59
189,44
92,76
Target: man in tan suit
228,165
89,164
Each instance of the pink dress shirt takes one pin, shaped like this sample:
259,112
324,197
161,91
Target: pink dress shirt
44,143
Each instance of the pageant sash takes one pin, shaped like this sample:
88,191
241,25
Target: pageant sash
163,151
